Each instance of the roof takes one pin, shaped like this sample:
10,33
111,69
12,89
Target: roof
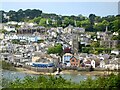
88,62
68,54
34,59
106,61
73,57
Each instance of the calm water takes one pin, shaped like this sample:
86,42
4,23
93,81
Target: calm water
12,75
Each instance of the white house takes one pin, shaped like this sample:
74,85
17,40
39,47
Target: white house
117,52
21,23
53,34
68,29
102,64
93,63
59,29
12,23
2,35
66,59
6,56
9,28
115,33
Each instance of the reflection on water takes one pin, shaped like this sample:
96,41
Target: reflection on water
12,75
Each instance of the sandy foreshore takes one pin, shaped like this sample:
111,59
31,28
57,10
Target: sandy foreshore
93,73
24,70
87,73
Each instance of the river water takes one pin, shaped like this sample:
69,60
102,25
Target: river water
12,75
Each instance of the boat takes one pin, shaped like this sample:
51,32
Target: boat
57,73
79,74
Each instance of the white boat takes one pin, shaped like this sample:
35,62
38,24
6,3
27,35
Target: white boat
57,73
79,74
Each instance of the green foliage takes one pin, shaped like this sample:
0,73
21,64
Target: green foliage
115,37
15,41
3,31
68,21
7,66
101,26
42,22
37,20
95,44
96,50
78,24
118,46
86,49
109,82
92,18
85,23
91,23
57,49
116,24
105,22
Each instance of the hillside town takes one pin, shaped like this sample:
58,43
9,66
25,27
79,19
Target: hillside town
59,44
32,46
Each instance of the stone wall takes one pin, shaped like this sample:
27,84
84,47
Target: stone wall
39,69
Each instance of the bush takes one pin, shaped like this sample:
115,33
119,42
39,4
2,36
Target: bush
16,41
7,66
110,82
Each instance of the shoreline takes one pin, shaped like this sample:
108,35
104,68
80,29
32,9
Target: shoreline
24,70
87,73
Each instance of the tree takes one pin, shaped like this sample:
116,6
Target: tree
99,27
116,25
51,82
13,15
81,17
49,22
86,25
32,13
57,49
37,19
42,22
114,37
3,31
95,44
16,41
78,23
98,19
92,18
91,23
66,21
105,22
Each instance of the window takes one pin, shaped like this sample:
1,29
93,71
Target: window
67,61
73,60
67,58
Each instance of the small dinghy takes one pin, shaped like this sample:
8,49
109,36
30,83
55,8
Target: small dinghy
57,73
